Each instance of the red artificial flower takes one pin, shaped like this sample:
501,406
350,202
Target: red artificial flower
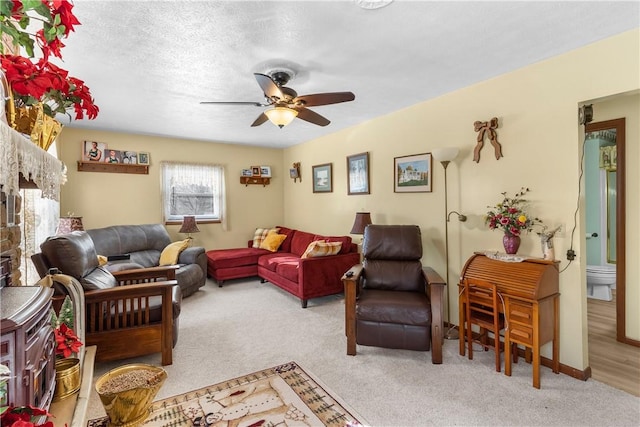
22,416
62,8
67,341
24,77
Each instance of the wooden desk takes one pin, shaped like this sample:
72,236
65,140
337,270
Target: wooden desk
530,290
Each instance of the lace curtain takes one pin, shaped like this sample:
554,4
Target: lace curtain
19,155
39,219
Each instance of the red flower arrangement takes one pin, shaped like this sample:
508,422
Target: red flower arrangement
43,82
67,342
24,416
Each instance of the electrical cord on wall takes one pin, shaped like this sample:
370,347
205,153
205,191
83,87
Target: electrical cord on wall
585,115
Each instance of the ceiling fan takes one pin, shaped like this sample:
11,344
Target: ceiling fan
285,102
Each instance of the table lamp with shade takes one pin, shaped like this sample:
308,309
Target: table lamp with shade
445,156
359,224
189,226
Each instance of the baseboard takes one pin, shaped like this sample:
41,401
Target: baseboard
579,374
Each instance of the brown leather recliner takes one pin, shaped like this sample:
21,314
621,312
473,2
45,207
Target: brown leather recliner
128,313
391,300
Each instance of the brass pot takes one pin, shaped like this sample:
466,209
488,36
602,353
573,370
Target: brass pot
130,407
67,378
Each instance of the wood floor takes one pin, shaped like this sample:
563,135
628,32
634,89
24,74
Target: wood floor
611,362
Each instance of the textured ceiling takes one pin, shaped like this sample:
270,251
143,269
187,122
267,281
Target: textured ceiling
150,63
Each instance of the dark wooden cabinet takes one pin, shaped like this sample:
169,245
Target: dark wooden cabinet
27,344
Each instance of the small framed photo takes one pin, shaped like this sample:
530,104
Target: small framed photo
256,171
412,174
265,171
93,151
130,157
322,178
143,158
358,174
112,156
293,173
247,172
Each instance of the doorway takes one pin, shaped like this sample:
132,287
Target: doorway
613,358
608,140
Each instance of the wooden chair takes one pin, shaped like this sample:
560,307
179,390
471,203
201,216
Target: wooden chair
128,313
482,307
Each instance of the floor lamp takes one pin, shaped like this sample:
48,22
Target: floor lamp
445,156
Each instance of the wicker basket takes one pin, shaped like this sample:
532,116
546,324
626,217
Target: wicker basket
30,120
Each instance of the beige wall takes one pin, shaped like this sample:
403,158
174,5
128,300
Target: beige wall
541,139
114,198
537,109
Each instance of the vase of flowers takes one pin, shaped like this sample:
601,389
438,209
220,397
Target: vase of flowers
510,216
39,89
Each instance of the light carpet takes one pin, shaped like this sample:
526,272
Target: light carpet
284,395
247,326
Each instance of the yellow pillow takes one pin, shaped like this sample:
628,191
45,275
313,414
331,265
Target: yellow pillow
102,260
273,241
321,248
261,234
170,254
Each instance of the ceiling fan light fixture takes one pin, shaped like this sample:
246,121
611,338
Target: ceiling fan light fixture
281,116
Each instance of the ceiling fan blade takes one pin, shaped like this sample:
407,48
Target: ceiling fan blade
268,86
260,120
324,98
312,117
257,104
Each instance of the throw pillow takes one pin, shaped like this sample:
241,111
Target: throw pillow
273,241
170,254
261,234
102,260
319,248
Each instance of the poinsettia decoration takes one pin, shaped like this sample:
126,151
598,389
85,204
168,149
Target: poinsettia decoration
42,81
24,416
67,342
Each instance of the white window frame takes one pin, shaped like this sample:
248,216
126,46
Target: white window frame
177,173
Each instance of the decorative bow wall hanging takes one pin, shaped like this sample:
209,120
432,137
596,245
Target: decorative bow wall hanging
487,128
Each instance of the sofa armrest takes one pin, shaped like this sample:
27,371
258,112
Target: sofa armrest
325,271
145,275
190,255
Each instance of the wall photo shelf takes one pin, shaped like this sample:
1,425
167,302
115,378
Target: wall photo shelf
112,168
261,180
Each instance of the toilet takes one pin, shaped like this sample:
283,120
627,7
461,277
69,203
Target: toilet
600,280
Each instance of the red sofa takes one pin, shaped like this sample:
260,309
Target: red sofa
304,278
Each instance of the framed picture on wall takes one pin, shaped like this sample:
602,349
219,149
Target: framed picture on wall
358,174
265,171
112,156
412,174
256,171
130,157
143,158
322,178
92,151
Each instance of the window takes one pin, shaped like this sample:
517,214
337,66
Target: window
192,189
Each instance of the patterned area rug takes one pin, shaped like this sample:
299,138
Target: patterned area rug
284,395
